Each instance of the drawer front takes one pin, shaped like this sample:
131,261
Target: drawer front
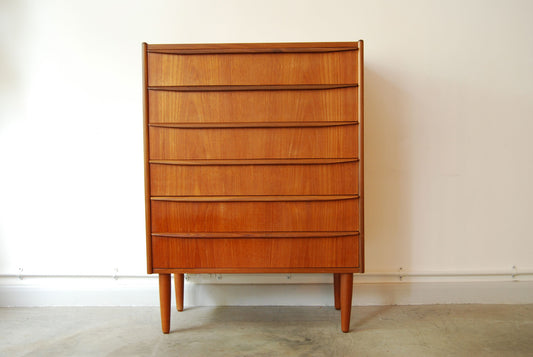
340,252
257,216
286,179
253,143
252,69
253,106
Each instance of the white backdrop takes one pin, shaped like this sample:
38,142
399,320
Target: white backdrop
449,117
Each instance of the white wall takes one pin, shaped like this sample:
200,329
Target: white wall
449,117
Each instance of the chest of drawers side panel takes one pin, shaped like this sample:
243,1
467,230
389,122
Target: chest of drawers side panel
147,185
360,150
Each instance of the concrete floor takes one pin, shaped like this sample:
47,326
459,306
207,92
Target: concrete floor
429,330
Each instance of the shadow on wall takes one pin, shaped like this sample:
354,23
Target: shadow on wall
388,176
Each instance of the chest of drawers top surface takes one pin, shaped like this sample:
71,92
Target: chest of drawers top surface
253,157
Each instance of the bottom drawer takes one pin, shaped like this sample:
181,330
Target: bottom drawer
332,252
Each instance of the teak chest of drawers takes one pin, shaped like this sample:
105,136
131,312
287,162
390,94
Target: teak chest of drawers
254,162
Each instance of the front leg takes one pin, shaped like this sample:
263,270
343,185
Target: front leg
164,301
346,300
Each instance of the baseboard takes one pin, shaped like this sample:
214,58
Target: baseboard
143,291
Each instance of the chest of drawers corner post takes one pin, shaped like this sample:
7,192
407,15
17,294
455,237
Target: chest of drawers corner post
253,160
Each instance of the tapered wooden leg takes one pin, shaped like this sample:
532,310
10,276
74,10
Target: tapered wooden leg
346,300
337,290
164,301
178,282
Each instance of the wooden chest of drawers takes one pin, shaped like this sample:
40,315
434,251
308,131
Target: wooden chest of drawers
254,162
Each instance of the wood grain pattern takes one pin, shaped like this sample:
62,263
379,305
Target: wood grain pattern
252,69
301,216
254,253
182,180
255,106
253,143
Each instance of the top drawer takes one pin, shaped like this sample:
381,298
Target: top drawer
169,69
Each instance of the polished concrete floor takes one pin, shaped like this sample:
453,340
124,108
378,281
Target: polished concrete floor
429,330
